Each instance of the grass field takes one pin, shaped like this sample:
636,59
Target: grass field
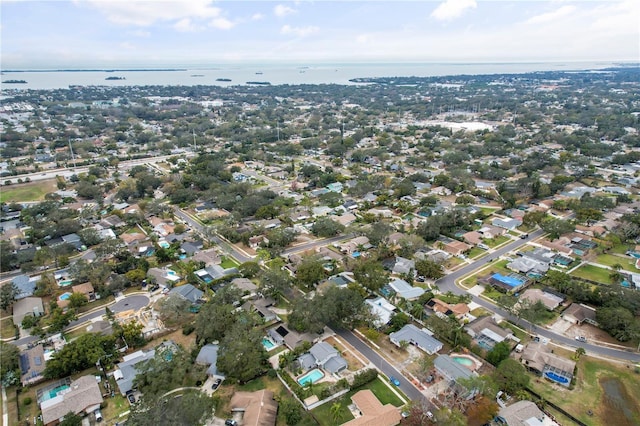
593,273
228,262
627,263
611,391
476,252
32,191
494,242
323,413
7,330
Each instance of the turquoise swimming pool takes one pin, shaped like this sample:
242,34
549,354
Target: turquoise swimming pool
268,344
464,361
65,296
311,377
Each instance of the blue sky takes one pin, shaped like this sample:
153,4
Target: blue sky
92,33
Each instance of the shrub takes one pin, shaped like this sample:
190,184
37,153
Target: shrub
364,377
187,329
27,401
272,373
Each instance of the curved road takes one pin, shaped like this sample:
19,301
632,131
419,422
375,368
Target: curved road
448,283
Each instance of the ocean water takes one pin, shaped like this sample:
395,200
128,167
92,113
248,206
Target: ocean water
278,74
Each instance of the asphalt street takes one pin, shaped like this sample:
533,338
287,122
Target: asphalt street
448,283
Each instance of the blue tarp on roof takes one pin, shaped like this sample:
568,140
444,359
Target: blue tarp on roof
510,281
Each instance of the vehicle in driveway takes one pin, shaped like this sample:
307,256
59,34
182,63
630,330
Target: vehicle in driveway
131,398
230,422
394,381
215,384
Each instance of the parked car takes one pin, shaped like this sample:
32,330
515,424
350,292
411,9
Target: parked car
581,338
394,381
524,236
230,422
131,398
215,384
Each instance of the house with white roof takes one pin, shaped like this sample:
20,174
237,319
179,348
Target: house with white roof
417,337
405,290
381,309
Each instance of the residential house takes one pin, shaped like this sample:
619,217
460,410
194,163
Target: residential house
527,265
577,313
25,286
127,370
441,308
326,357
487,333
417,337
191,247
372,412
85,289
404,266
525,413
32,365
508,224
355,245
510,283
346,219
209,257
112,221
73,240
455,247
435,255
538,358
382,310
321,211
214,272
208,356
283,334
490,231
258,408
335,187
164,276
550,300
262,306
472,237
245,285
27,306
450,370
405,290
187,292
83,397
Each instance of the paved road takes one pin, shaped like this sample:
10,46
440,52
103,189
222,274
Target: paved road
406,386
69,171
448,283
314,244
195,225
136,302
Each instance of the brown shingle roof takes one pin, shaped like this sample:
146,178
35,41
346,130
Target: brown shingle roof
260,409
373,412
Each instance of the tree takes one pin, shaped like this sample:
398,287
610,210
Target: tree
8,293
71,419
310,272
578,353
77,300
450,417
186,409
556,227
291,410
336,412
89,236
213,321
249,269
59,319
378,232
173,310
511,376
498,353
370,274
132,334
9,367
482,411
80,354
619,322
242,356
275,283
429,269
326,227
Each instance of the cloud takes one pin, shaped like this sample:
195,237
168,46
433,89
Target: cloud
299,31
552,16
451,9
145,13
140,33
222,24
185,25
257,16
282,10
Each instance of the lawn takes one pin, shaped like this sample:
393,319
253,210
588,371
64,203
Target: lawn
32,191
494,242
492,293
608,407
628,264
228,262
518,332
7,330
475,252
323,413
593,273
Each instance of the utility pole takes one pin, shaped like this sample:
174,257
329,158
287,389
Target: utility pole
195,146
278,130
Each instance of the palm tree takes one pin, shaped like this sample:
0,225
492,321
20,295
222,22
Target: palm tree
336,412
579,352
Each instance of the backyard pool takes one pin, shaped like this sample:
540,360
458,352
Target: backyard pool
268,344
65,283
466,360
556,378
164,244
311,377
52,393
634,254
64,296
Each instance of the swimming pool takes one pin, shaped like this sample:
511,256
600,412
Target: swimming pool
556,378
54,392
311,377
171,273
268,344
634,254
164,244
64,296
65,283
464,361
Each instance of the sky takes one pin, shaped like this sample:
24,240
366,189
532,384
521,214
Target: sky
163,33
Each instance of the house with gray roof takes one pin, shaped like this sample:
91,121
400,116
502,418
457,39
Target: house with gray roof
25,286
417,337
405,290
451,370
404,266
28,306
187,292
127,370
32,364
509,224
208,356
326,357
83,396
525,413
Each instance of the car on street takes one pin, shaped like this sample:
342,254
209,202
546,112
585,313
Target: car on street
524,236
581,339
394,381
